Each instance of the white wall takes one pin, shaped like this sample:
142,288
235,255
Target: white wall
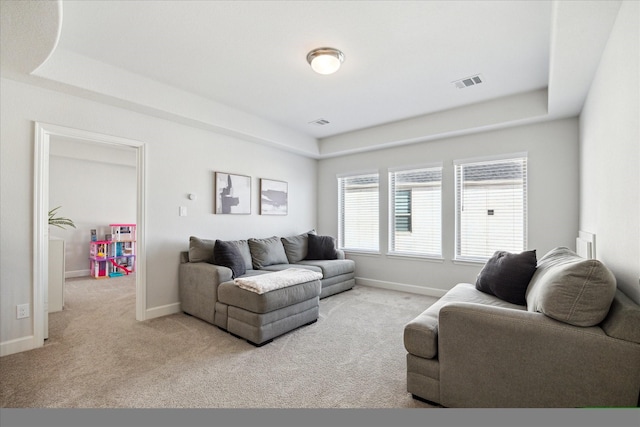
96,186
180,160
552,196
610,153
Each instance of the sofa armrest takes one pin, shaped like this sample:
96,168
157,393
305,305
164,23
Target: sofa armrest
499,357
198,287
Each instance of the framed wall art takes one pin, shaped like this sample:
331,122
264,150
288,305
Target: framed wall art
233,193
274,197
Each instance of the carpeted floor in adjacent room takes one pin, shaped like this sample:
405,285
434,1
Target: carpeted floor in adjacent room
99,356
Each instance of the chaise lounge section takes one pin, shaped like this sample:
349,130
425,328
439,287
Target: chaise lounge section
209,291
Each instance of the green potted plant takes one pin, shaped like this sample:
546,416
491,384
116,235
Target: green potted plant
59,221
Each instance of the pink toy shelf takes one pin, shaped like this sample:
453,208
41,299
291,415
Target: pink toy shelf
114,257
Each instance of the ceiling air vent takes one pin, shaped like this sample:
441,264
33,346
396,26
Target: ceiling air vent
319,122
468,81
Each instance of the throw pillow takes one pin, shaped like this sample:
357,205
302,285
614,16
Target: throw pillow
228,255
265,252
321,247
296,247
571,289
243,248
200,250
507,275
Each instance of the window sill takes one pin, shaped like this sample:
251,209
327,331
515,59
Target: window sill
470,261
396,255
361,253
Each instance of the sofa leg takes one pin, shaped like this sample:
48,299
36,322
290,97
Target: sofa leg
259,345
249,341
421,399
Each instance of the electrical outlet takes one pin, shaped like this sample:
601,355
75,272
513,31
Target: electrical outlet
22,311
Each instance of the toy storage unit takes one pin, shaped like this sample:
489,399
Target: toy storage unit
116,255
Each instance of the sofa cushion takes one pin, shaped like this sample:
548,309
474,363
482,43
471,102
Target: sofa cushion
421,334
571,289
228,255
280,267
266,252
296,246
331,268
231,294
507,275
321,247
201,250
243,248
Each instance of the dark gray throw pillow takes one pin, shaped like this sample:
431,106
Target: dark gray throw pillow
321,247
228,255
507,275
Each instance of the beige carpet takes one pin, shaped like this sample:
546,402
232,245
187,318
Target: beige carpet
99,356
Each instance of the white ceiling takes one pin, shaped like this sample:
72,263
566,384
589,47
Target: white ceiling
401,56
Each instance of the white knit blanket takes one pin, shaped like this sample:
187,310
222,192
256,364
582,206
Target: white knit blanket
262,283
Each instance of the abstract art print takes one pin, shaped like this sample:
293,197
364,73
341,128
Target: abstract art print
274,197
233,193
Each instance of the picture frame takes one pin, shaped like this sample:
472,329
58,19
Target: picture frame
232,194
274,197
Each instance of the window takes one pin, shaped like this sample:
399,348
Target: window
415,204
358,212
491,207
402,215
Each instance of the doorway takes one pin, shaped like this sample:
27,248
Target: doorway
43,135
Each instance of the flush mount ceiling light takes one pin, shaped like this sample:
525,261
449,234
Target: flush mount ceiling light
325,60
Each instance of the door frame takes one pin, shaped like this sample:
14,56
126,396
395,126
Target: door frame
43,134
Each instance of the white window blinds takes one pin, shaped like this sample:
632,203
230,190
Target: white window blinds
415,205
491,207
358,212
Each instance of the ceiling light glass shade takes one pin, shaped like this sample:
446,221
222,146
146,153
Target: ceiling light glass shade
325,60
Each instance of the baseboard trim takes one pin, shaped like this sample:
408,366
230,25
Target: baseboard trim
77,273
402,287
163,310
17,346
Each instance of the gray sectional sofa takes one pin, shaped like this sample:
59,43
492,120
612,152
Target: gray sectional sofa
574,342
208,289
